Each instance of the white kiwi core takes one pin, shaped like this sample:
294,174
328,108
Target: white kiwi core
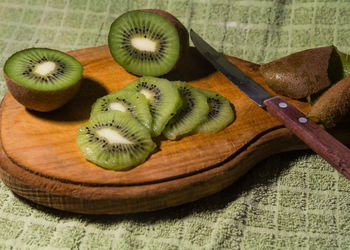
148,94
112,136
45,68
144,44
117,106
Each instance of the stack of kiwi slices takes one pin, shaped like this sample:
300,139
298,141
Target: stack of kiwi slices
148,42
119,132
42,79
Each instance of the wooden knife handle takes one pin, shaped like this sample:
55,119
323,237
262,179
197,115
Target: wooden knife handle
317,138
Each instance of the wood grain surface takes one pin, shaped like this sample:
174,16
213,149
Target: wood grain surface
40,160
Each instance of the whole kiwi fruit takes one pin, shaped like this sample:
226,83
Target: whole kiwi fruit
304,73
334,104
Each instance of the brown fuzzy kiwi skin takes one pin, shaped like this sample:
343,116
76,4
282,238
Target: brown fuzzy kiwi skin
303,73
333,105
42,101
181,30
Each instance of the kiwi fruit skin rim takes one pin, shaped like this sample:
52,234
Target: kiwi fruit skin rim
41,100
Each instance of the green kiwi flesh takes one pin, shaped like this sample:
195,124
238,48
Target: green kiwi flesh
115,140
125,101
147,42
193,112
42,79
304,73
220,113
163,99
345,60
333,105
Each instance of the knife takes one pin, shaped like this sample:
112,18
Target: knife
318,139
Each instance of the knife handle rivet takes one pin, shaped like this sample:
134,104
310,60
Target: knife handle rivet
302,120
283,105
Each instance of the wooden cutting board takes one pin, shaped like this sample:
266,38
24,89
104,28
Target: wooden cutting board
40,160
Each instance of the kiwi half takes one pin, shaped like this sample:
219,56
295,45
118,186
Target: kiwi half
304,73
147,42
42,79
334,104
115,140
220,113
163,99
123,100
193,112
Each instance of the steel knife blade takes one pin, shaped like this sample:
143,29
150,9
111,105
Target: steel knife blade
317,138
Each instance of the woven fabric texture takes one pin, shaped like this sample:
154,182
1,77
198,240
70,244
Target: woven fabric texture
289,201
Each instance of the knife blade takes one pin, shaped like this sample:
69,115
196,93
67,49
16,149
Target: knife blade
317,138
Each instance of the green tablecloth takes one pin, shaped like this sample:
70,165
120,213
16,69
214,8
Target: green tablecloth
292,200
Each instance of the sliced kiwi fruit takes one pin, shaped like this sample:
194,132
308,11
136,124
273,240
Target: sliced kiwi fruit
115,140
193,112
148,42
163,98
42,79
304,73
220,113
333,105
125,101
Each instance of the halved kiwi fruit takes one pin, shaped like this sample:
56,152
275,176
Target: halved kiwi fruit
163,98
115,140
42,79
334,104
147,42
304,73
220,113
124,100
193,112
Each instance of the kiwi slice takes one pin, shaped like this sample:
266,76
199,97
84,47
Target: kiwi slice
220,113
115,140
304,73
333,105
42,79
125,101
147,42
193,112
163,99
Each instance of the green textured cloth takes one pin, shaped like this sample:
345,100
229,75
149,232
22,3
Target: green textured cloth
290,201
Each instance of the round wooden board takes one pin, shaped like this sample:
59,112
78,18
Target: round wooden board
41,161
